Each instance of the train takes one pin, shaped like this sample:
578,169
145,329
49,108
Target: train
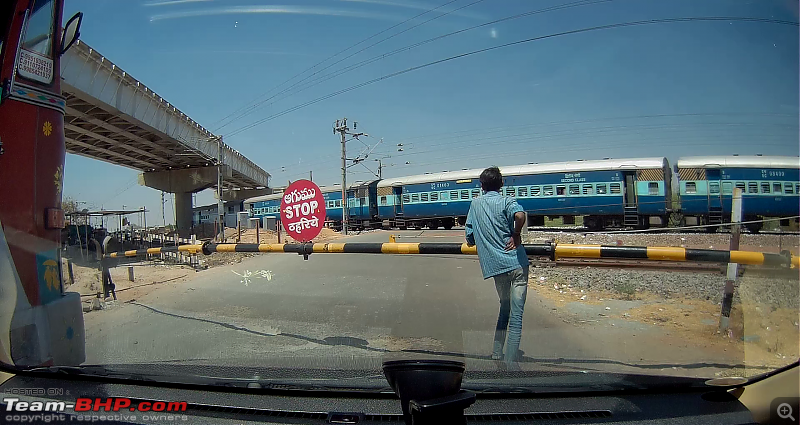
634,193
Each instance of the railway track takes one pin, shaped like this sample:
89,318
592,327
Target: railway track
583,230
687,266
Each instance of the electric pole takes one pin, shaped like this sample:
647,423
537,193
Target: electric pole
220,202
341,127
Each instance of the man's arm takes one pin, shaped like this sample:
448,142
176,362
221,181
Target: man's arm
470,232
518,215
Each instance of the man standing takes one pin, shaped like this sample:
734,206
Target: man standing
494,224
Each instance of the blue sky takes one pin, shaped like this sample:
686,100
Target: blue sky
667,89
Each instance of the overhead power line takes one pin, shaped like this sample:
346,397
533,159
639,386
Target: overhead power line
514,43
246,108
289,92
558,135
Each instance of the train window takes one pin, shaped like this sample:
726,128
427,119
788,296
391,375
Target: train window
787,188
383,200
535,190
615,188
691,187
434,196
727,188
510,191
713,188
776,187
406,199
652,188
547,191
601,189
797,188
587,189
423,197
476,193
338,203
560,190
464,194
454,195
740,185
415,197
574,189
752,187
523,191
765,187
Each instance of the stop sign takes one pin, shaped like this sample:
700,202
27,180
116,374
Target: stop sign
303,210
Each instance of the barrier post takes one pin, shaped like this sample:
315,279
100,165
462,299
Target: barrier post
71,274
733,268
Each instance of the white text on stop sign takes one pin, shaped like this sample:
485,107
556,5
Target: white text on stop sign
305,208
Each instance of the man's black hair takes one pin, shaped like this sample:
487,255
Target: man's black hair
491,179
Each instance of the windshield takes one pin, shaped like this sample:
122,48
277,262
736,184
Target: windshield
627,136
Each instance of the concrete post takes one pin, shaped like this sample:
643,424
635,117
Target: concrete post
733,268
130,274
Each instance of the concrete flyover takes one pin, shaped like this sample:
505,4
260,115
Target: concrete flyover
113,117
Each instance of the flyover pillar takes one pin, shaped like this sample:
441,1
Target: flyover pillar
183,182
183,213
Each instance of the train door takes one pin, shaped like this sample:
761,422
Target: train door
631,217
397,191
714,196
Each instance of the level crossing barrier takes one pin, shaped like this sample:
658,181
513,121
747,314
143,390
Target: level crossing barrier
552,250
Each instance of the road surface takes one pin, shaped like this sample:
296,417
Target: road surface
357,310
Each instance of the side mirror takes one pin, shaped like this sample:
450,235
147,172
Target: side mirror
71,32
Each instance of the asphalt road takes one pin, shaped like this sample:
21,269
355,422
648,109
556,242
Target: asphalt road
357,310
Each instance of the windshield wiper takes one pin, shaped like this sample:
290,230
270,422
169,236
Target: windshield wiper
306,384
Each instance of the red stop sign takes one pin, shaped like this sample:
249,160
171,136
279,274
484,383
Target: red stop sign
303,210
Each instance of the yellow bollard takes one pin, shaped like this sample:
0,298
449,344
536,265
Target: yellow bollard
392,239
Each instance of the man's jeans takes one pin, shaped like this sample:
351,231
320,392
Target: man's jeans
512,289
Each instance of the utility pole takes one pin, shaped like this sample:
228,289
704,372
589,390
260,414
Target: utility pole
311,176
380,168
220,203
341,127
163,217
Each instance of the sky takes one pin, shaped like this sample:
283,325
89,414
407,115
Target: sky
663,89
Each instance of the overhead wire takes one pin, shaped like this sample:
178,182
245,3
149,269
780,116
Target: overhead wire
510,44
480,131
249,107
382,56
556,135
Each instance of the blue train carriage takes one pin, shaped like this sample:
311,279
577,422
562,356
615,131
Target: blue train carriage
770,186
607,193
362,205
430,200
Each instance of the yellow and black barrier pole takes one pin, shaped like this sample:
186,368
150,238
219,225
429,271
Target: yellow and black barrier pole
554,251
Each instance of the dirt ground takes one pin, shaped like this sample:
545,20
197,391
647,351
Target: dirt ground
147,278
769,336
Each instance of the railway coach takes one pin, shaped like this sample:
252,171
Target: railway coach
362,206
608,193
770,188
